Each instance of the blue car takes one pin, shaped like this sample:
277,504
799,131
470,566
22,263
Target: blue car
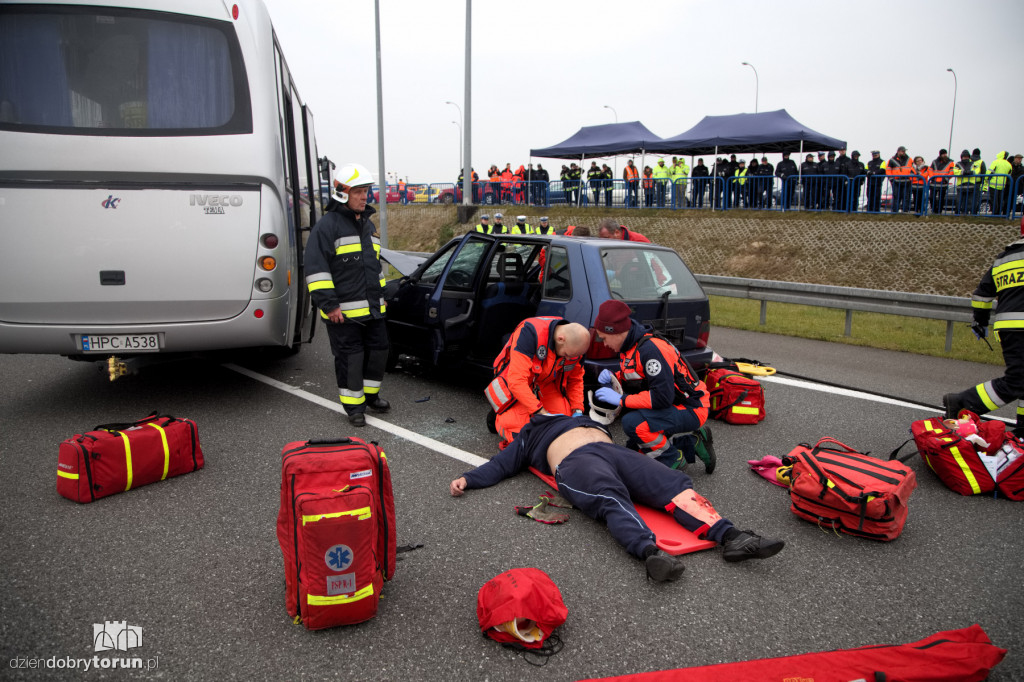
459,306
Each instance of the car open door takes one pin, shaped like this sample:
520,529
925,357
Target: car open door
452,306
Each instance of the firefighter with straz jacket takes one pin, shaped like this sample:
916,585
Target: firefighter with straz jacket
1002,283
346,284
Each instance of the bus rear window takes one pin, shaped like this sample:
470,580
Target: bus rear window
107,71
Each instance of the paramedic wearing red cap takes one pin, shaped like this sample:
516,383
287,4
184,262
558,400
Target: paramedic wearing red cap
603,480
663,396
1002,283
540,369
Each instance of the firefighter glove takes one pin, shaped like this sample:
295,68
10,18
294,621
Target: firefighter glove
980,330
609,395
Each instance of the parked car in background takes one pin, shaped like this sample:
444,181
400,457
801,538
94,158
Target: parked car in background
425,195
454,195
392,194
458,308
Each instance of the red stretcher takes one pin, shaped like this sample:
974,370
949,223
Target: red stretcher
669,535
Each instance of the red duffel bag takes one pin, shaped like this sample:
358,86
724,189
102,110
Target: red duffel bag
114,458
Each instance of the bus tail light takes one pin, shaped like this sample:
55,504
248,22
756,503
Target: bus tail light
264,284
268,262
270,241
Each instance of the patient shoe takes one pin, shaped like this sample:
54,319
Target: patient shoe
662,567
750,545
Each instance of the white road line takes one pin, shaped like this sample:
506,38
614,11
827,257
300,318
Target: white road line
436,446
852,393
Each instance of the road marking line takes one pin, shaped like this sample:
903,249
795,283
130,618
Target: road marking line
852,393
430,443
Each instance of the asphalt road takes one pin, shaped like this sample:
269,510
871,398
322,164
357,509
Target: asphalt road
194,561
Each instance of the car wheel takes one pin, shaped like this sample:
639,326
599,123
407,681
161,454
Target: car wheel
489,199
446,198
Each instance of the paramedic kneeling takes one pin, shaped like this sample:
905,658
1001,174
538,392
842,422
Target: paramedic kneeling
1003,282
540,369
604,480
665,403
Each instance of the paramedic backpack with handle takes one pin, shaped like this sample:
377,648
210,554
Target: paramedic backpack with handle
735,398
336,528
833,485
520,607
967,466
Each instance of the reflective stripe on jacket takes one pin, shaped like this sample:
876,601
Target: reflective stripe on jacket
655,376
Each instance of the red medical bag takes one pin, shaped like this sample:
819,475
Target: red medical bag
958,462
735,397
336,528
114,458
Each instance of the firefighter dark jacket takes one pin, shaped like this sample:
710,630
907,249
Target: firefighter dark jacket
342,262
1003,281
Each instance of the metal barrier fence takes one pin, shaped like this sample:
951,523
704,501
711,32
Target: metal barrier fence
992,195
949,308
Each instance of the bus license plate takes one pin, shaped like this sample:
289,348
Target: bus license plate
119,343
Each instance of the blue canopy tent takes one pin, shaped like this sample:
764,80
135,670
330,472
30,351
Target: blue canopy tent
767,132
603,140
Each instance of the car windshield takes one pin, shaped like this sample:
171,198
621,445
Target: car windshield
636,273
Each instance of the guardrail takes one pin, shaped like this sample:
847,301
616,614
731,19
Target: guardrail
949,308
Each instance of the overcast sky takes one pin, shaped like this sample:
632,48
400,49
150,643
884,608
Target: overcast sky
871,72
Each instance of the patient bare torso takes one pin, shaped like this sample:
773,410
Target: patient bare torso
565,444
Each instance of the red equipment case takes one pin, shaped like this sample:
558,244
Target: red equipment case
836,486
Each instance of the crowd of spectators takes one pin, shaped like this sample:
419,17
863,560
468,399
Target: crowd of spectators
830,181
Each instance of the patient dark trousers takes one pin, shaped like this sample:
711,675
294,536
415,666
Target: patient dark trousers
604,480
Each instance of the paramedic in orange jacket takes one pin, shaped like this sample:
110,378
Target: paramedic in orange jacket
665,403
540,370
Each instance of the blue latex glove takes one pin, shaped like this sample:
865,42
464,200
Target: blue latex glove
577,413
609,395
605,377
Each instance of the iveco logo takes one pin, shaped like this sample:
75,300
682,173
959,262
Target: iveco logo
214,200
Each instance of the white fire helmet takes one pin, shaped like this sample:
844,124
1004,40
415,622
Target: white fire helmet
351,175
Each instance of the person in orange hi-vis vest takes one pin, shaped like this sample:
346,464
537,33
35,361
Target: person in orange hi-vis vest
540,370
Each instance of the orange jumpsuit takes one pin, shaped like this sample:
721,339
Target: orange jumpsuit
529,376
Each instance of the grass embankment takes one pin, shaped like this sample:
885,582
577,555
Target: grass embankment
936,255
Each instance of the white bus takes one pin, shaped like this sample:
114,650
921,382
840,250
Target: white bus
156,173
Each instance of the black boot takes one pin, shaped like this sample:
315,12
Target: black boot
953,405
357,419
378,404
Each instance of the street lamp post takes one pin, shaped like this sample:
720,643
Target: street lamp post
953,117
615,113
460,142
461,164
757,85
